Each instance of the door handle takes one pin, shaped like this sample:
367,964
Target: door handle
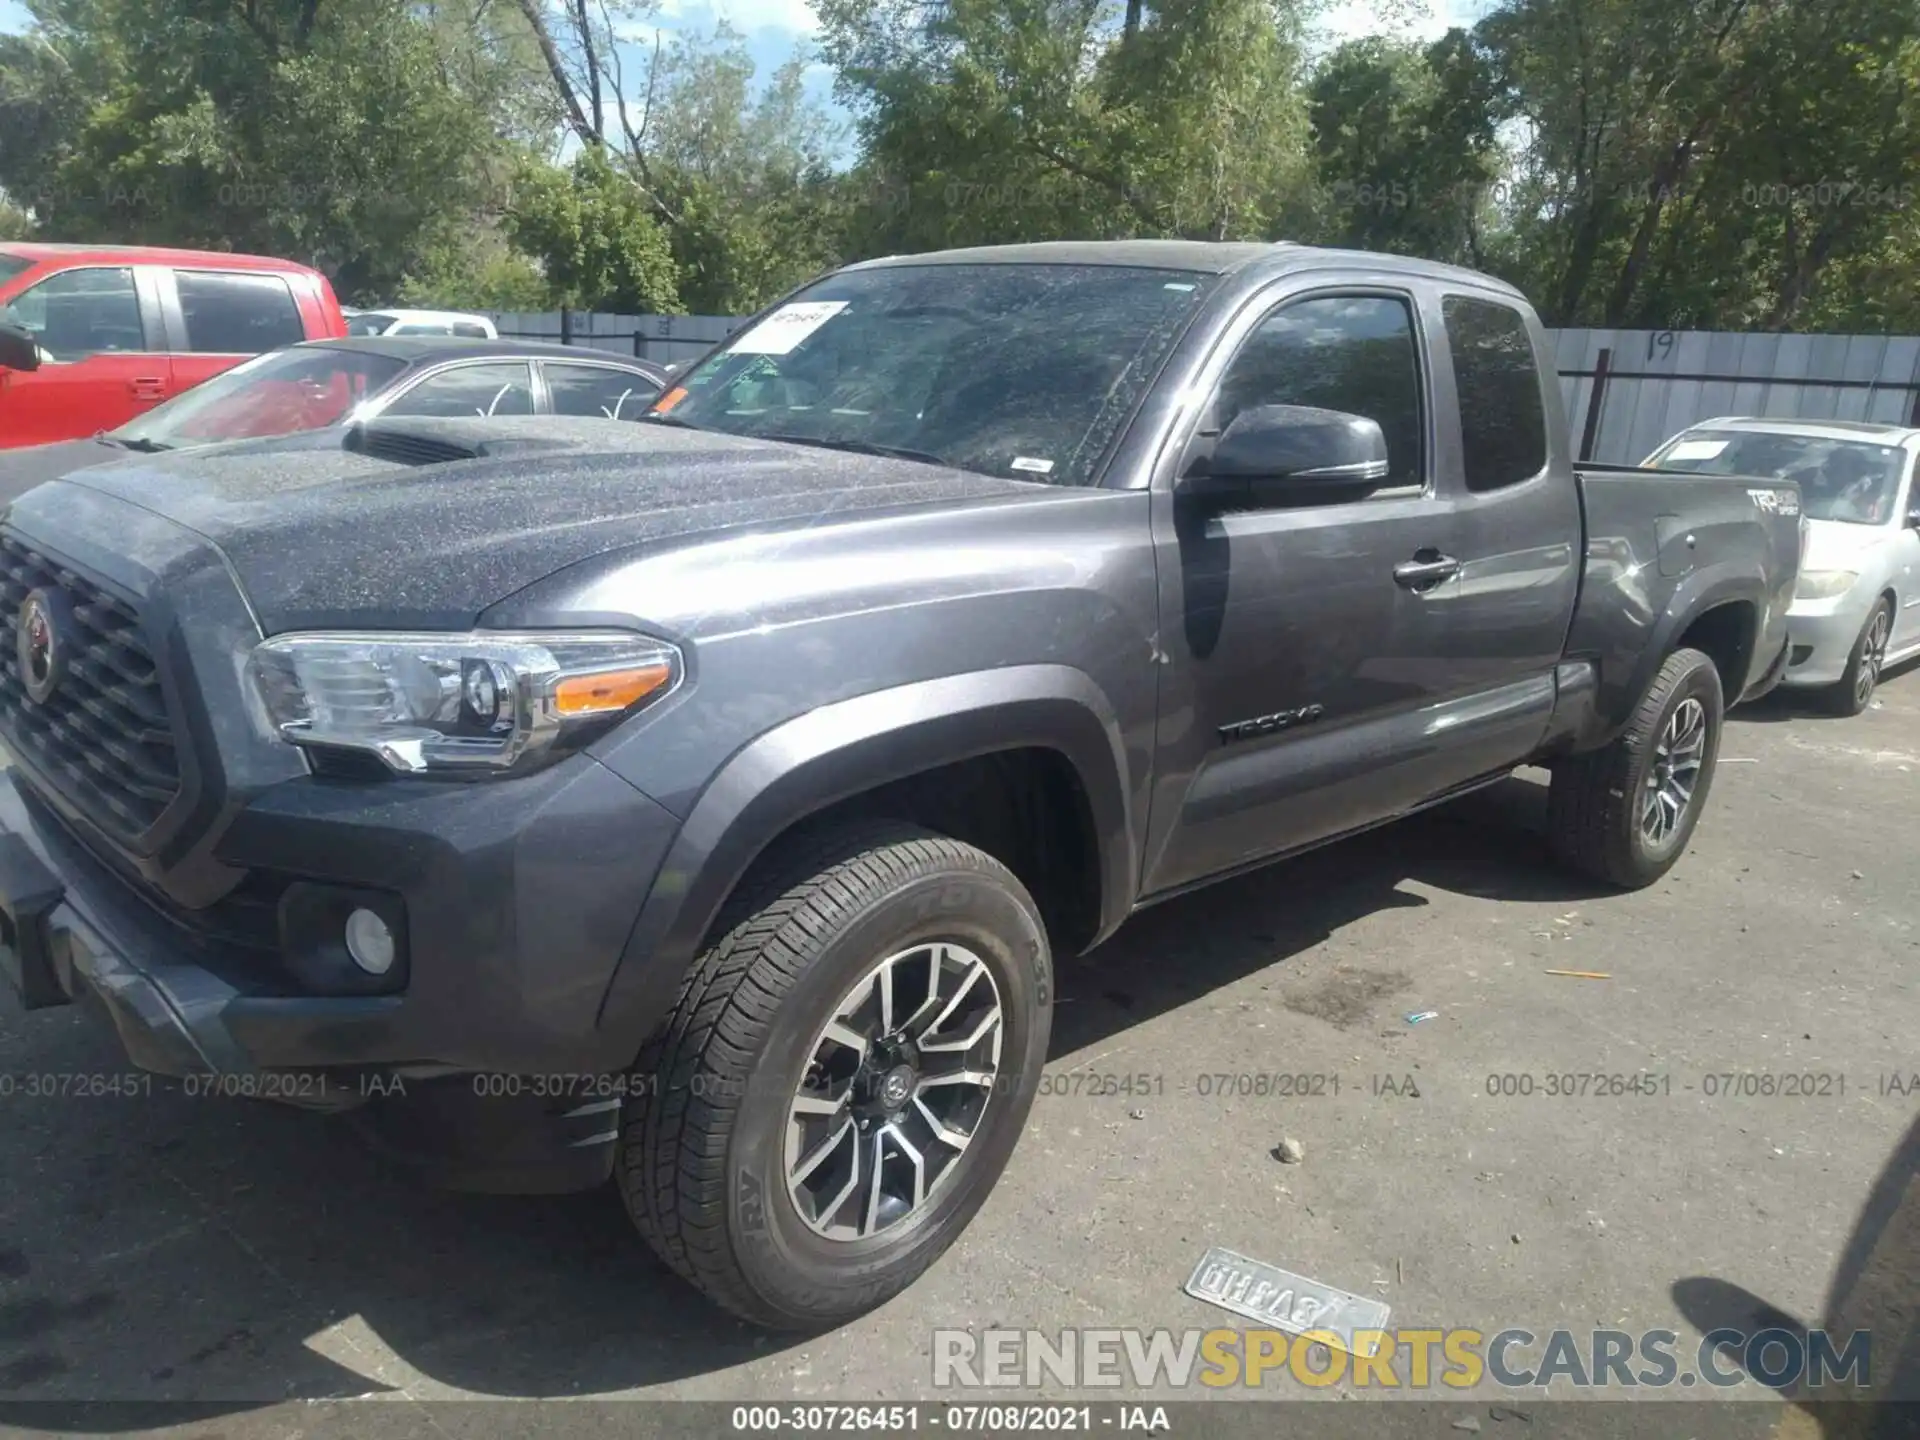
153,388
1427,569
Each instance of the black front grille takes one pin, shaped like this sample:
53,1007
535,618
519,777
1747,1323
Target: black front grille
103,736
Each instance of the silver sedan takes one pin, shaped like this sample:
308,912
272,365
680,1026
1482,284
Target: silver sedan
1857,607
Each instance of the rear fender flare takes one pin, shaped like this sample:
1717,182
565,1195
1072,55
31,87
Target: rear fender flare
1703,590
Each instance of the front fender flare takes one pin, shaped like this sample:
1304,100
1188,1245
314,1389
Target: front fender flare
803,766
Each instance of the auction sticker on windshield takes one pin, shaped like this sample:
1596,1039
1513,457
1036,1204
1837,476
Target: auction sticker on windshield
787,327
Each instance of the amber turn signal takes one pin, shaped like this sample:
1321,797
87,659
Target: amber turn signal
608,691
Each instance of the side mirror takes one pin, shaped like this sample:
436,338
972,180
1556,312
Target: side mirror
1275,451
17,349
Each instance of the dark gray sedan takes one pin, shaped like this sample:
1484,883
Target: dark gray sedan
325,382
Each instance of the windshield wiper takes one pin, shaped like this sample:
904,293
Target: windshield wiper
140,443
653,418
858,447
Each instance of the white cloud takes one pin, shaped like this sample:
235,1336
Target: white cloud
790,17
1353,19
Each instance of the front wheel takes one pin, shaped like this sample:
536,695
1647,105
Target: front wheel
1623,814
844,1076
1855,688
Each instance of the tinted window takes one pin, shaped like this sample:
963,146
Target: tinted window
1503,424
472,331
299,388
1354,353
75,313
597,390
422,327
1848,480
1019,370
237,314
368,324
12,265
497,388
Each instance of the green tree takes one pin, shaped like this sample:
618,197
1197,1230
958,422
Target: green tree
596,236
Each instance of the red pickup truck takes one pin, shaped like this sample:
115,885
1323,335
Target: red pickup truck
121,328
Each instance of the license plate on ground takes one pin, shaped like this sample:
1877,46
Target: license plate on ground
1284,1300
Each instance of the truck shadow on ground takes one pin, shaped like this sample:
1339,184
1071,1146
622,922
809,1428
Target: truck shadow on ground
1875,1290
164,1249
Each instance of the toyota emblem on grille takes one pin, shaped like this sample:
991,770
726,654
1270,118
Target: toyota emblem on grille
40,642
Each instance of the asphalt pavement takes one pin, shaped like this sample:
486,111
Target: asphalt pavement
159,1248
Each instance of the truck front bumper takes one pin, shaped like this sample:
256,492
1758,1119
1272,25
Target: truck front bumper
488,1067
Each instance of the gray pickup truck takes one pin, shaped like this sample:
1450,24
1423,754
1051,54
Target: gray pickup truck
702,802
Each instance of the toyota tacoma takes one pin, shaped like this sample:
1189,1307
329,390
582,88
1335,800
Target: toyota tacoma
704,803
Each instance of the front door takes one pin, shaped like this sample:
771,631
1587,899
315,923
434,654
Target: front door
1288,643
98,330
1331,665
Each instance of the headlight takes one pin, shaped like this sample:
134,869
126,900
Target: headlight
1824,584
486,700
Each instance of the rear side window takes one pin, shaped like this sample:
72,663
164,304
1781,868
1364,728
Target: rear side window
1503,423
599,390
76,313
468,330
231,314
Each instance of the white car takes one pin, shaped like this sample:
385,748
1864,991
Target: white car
1857,607
420,322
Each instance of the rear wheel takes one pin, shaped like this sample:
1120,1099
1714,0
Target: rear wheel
1854,690
1624,814
844,1077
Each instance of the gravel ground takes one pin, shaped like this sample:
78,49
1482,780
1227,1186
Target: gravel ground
167,1248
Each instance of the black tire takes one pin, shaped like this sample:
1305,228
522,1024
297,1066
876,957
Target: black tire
702,1163
1596,806
1853,692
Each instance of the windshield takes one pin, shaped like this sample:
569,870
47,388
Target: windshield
368,324
1853,481
278,393
1019,370
12,265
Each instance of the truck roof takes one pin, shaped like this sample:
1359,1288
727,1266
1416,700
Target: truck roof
148,255
1208,256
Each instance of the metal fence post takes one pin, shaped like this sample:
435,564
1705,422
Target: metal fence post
1590,431
566,326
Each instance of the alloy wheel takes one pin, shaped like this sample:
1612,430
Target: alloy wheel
1675,772
1873,654
896,1085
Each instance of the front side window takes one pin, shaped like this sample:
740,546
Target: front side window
300,388
368,324
233,314
1852,481
12,265
76,313
599,390
494,388
1503,421
1353,353
1025,371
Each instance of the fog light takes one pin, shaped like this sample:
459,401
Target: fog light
370,942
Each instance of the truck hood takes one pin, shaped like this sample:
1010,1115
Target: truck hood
1837,545
323,536
31,465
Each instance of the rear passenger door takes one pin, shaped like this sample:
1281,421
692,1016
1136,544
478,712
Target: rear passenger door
1517,522
101,324
217,318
